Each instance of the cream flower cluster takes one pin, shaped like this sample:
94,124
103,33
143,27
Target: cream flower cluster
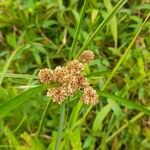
70,80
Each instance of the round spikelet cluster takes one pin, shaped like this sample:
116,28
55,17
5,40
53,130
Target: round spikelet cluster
70,80
86,56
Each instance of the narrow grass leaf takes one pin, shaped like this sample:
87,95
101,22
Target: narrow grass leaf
135,118
105,22
113,22
8,62
19,99
72,51
18,49
125,54
127,103
75,114
23,76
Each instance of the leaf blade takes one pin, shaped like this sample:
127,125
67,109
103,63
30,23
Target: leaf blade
19,99
125,102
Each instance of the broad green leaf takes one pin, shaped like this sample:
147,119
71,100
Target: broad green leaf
51,146
74,114
11,137
141,66
34,143
75,139
97,125
89,143
127,103
11,40
94,15
19,99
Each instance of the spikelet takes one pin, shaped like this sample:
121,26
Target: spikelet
45,75
74,67
86,56
57,94
90,96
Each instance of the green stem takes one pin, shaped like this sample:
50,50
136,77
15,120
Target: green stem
43,118
61,121
72,51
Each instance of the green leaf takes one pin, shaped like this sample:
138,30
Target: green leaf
113,22
97,125
127,103
19,99
72,51
125,54
105,21
9,61
11,137
34,142
75,139
74,114
11,40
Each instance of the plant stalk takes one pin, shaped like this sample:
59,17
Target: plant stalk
43,118
61,121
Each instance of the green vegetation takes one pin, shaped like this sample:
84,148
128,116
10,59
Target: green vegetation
38,34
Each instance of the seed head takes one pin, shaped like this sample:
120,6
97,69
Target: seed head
86,56
74,67
57,94
90,96
59,73
82,82
70,80
45,75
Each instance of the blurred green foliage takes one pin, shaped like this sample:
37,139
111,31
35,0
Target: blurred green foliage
36,34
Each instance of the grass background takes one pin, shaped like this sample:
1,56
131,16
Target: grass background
36,34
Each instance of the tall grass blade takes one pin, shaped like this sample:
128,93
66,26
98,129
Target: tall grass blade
127,103
113,22
105,21
43,118
125,54
72,51
21,98
135,118
8,63
22,76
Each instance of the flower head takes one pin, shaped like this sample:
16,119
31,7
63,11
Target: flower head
59,73
70,80
86,56
82,82
45,75
57,94
74,67
90,96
